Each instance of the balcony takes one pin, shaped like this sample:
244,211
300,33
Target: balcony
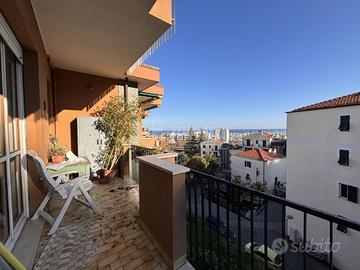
102,38
117,237
112,239
176,217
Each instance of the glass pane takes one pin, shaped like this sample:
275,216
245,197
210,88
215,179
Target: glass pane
343,189
4,218
11,92
16,188
2,132
352,194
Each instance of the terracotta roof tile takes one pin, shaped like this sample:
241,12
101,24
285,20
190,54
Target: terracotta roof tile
348,100
258,154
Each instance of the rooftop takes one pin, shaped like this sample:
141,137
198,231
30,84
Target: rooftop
348,100
258,154
260,133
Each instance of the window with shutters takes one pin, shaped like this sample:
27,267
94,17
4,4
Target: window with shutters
341,227
344,157
348,192
344,123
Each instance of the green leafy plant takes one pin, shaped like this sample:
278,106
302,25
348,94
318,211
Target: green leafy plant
213,164
118,121
197,163
258,185
207,164
183,159
55,148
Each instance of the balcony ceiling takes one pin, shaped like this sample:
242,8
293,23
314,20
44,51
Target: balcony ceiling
97,37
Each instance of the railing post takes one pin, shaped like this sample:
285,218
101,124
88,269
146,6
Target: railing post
163,206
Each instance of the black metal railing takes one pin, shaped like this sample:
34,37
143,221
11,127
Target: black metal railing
234,227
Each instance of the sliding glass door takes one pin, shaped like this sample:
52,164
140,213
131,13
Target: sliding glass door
12,189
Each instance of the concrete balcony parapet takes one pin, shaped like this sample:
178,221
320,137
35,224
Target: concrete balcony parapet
163,205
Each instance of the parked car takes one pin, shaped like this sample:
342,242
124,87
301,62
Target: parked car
315,251
274,259
222,227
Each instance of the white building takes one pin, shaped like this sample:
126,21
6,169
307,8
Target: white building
255,140
323,171
259,165
211,148
222,134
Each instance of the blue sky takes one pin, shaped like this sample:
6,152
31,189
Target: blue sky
244,63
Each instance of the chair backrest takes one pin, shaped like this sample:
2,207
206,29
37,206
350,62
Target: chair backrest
32,153
44,174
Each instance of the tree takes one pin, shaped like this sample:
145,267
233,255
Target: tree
213,164
207,164
258,185
192,146
202,136
197,163
118,121
183,159
191,134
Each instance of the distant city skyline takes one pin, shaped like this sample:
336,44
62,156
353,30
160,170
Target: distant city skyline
246,63
231,130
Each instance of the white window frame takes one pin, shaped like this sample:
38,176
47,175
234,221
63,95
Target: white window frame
347,187
9,39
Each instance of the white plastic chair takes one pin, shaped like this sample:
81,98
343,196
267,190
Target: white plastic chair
68,190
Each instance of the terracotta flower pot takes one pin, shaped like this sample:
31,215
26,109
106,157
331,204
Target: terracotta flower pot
57,159
107,172
106,175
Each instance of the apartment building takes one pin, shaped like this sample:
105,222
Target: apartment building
256,140
259,165
59,61
222,134
225,162
323,171
211,148
278,145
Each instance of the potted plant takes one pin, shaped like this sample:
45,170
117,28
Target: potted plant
56,150
118,121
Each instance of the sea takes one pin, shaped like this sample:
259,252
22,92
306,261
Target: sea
280,131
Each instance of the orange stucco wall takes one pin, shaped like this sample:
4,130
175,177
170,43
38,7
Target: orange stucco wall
146,72
37,71
79,94
148,142
162,9
37,78
155,89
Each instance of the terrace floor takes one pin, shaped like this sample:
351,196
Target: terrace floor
109,240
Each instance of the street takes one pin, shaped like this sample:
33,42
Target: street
293,260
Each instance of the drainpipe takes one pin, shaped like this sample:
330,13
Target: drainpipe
264,171
129,159
126,90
